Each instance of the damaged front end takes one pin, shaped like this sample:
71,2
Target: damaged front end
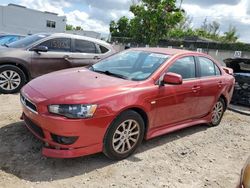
241,67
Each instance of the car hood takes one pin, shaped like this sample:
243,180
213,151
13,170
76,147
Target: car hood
10,52
80,85
4,48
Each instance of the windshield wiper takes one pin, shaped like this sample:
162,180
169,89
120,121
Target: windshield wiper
6,45
111,74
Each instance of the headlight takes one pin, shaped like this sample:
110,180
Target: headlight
74,111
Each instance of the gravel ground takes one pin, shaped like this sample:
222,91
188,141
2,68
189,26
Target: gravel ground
198,156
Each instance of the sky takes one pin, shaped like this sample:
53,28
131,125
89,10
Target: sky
96,14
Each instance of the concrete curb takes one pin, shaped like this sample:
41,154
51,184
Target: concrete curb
239,109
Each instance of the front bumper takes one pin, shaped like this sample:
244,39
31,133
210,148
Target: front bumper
90,135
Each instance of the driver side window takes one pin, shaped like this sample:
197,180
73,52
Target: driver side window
58,44
184,67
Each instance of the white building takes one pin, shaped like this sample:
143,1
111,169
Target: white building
16,19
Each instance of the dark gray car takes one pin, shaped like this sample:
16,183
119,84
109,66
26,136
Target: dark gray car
39,54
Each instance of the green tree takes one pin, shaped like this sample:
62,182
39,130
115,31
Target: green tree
182,29
72,28
69,27
78,28
121,28
209,30
231,35
152,20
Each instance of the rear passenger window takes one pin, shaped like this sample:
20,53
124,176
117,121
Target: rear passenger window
207,67
185,67
58,44
103,49
84,46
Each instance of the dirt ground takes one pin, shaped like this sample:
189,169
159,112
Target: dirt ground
198,156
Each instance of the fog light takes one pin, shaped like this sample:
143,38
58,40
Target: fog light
67,140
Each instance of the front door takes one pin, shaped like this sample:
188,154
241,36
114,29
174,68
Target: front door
56,58
177,103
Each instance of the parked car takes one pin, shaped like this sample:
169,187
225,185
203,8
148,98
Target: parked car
245,175
241,67
39,54
133,95
7,39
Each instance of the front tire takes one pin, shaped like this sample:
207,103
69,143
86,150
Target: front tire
124,135
12,79
217,113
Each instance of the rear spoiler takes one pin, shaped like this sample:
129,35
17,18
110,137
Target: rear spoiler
228,70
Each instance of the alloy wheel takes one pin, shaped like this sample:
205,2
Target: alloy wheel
9,80
126,136
217,112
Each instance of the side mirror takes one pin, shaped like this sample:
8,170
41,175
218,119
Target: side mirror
40,49
172,78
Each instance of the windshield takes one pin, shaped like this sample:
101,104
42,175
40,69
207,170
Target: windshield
132,65
25,42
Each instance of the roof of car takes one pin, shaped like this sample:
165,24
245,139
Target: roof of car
168,51
80,37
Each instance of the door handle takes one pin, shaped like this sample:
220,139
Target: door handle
195,88
66,57
220,83
96,57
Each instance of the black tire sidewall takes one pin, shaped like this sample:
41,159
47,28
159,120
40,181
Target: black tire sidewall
224,108
18,71
108,148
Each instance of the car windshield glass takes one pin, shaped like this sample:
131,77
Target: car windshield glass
25,42
132,65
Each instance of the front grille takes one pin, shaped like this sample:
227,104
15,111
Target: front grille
26,102
33,126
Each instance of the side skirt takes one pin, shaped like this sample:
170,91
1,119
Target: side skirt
154,132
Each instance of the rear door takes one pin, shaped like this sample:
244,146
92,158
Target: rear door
177,103
86,53
59,49
211,84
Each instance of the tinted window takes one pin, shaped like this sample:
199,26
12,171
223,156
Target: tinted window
185,67
207,67
84,46
57,44
103,49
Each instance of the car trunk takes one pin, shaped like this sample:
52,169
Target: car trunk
241,67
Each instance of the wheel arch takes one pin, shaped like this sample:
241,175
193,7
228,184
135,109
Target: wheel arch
20,66
141,112
225,100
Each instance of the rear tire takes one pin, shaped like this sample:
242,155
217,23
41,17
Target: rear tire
124,135
217,113
12,79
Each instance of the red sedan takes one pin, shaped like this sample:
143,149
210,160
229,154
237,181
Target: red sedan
115,104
